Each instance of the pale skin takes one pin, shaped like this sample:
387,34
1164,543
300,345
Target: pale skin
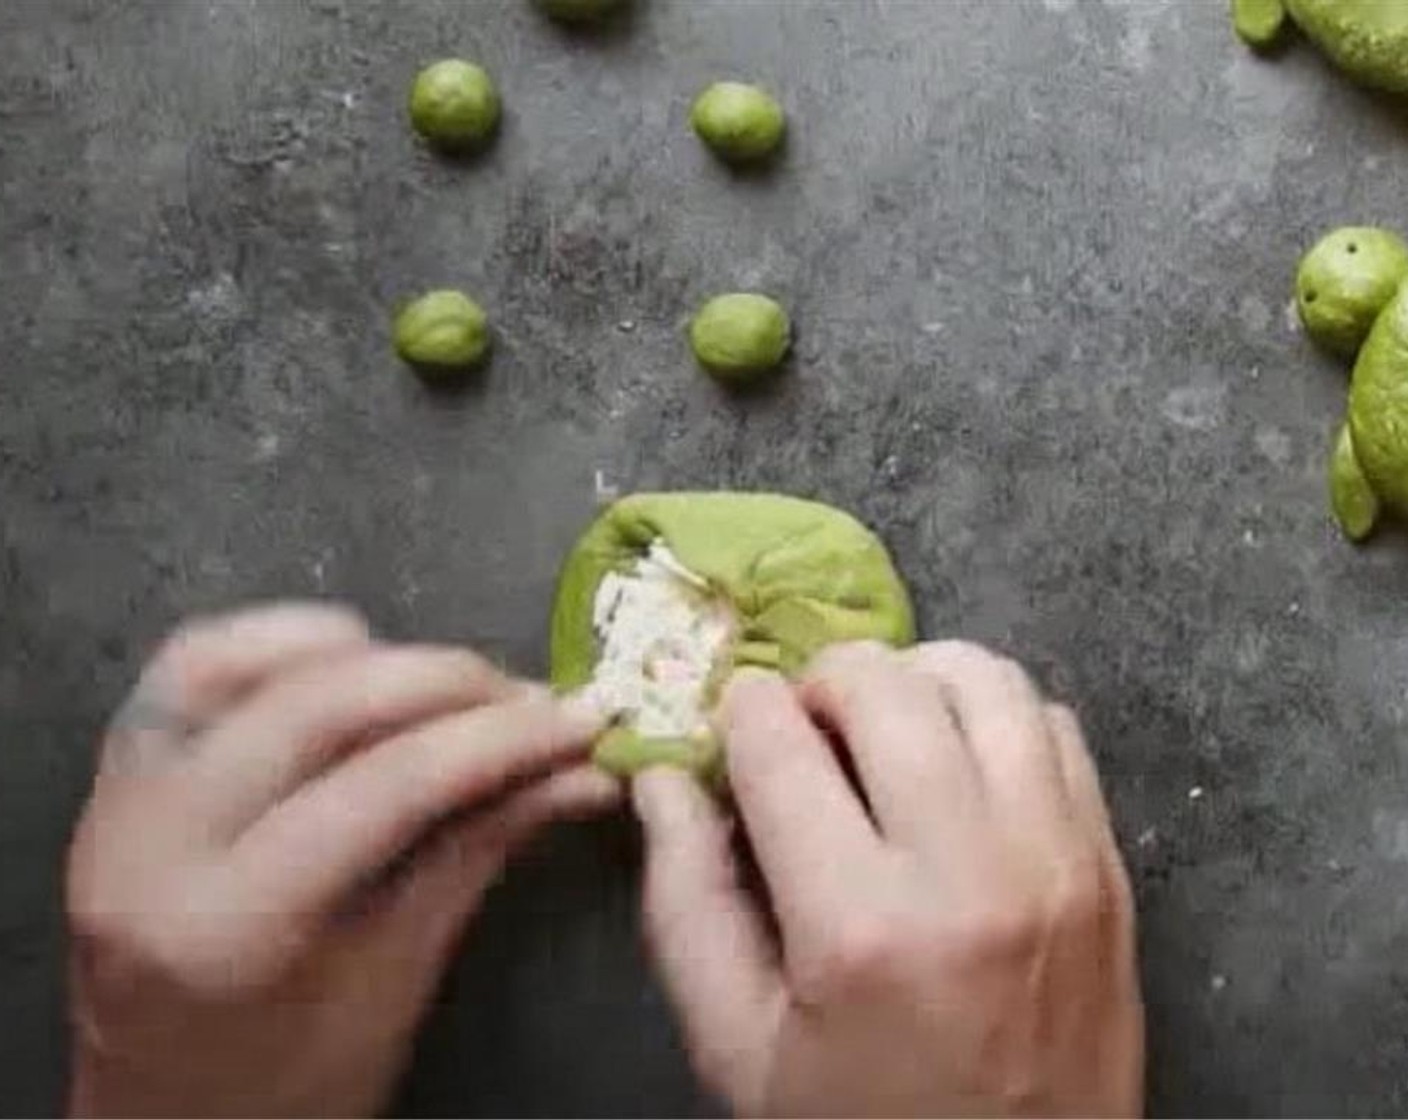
293,824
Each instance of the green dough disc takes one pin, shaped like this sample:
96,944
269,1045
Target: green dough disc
740,335
741,123
454,104
1352,499
1378,405
442,330
1258,22
799,575
1345,281
1367,39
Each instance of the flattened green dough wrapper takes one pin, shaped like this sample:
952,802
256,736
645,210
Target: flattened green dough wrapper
798,576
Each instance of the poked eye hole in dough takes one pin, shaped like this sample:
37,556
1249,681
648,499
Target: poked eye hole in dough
663,637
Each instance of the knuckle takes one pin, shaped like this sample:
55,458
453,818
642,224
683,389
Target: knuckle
124,940
1011,673
1071,901
121,948
177,666
391,669
860,953
1078,893
952,659
843,657
748,690
470,665
121,945
757,710
1010,931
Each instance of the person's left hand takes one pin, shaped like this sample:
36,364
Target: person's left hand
289,828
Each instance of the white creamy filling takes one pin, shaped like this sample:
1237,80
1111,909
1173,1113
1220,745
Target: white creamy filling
659,632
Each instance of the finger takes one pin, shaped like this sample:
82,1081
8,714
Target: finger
446,882
808,828
1092,812
1001,716
917,773
292,730
707,938
310,850
209,664
1078,771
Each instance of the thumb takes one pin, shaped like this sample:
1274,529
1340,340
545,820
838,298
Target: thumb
710,946
447,882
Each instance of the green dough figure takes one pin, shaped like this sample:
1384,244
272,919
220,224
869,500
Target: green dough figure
1367,39
1355,505
579,11
1378,405
780,577
454,104
1345,281
741,123
740,335
1352,292
442,331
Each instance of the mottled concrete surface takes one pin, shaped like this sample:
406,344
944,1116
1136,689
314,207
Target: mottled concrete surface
1039,258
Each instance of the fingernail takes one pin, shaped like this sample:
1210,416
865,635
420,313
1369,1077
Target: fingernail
741,681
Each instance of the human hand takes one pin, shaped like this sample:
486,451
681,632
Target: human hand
960,941
289,827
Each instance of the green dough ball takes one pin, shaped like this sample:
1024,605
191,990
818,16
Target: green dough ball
1367,39
793,575
454,104
740,335
1345,281
442,330
1258,22
1355,505
580,11
741,123
1378,405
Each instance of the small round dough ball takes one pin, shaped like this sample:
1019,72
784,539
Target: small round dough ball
740,123
579,11
1345,281
454,104
740,335
442,331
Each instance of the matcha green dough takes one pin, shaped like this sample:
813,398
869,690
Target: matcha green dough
454,104
441,331
1258,22
1367,39
666,594
1353,299
1355,505
1378,405
1345,281
740,335
579,11
741,123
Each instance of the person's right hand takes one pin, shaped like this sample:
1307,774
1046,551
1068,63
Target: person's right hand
956,937
290,826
